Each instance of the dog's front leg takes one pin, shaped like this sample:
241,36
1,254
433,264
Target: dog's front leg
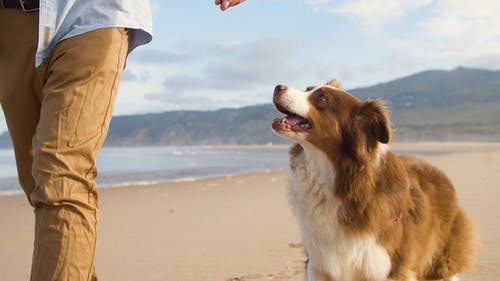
313,274
310,274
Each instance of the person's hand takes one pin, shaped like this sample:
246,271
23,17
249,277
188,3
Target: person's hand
225,4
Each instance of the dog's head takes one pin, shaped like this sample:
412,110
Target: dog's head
330,119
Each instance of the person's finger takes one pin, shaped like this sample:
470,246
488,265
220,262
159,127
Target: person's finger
225,4
238,2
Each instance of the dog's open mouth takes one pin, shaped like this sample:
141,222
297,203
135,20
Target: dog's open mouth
291,122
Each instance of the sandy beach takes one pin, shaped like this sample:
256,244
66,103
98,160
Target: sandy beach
236,228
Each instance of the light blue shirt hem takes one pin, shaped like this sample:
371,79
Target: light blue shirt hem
63,19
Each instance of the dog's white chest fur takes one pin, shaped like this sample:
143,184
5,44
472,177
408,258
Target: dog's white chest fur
333,250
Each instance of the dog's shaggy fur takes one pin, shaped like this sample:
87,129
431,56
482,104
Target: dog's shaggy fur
365,213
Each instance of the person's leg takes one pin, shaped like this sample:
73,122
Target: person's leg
19,86
80,81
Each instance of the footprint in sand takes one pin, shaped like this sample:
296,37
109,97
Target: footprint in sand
296,245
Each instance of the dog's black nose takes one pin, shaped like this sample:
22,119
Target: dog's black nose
278,90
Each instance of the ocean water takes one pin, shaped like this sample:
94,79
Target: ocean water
122,166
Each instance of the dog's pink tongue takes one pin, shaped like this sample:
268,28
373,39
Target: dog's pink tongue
290,123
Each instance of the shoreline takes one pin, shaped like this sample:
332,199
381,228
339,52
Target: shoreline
425,148
155,183
403,144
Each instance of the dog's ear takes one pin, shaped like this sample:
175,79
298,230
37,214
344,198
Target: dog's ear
375,122
335,83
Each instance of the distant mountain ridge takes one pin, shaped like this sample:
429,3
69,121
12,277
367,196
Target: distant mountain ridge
437,88
247,125
462,104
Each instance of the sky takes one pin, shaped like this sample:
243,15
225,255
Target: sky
205,59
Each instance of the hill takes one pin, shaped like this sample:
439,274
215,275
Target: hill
457,105
461,104
248,125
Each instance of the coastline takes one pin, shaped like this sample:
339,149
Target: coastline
238,227
134,176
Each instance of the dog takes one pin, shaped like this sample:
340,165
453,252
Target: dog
366,214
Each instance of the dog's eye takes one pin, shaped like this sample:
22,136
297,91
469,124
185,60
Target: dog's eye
322,99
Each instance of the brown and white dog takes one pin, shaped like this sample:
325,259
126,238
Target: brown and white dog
366,214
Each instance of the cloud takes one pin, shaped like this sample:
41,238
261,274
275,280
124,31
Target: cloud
354,76
250,64
131,75
443,20
455,32
231,67
464,28
374,15
182,101
371,15
317,5
240,73
489,61
184,83
212,74
238,66
221,65
155,56
317,2
233,74
443,33
459,19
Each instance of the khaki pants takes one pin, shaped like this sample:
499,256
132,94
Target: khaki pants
58,116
